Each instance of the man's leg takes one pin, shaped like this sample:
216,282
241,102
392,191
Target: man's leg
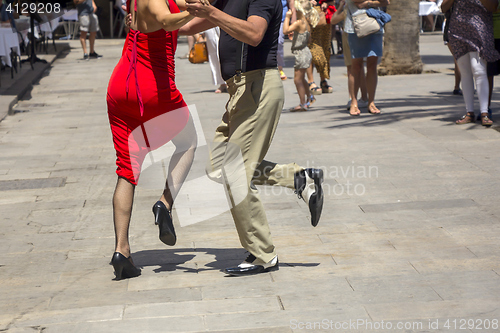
83,41
84,28
93,28
253,112
92,36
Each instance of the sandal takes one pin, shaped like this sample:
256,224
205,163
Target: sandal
485,120
315,90
467,118
373,109
490,115
282,75
311,100
299,108
356,113
325,88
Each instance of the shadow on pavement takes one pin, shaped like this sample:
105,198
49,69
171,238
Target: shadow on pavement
171,260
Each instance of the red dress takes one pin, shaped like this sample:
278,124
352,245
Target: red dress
145,108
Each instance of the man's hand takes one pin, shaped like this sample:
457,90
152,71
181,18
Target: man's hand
199,8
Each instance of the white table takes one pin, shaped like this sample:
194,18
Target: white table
426,8
9,40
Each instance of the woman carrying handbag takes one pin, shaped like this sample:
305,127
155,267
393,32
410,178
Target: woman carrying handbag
369,47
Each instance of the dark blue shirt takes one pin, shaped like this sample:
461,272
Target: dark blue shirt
260,56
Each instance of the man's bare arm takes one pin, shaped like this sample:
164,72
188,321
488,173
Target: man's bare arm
196,25
250,31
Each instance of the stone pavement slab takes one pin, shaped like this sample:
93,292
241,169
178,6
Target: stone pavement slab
409,232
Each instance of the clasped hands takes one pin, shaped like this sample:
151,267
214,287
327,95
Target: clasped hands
199,8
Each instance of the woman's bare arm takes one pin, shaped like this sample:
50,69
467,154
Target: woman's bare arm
161,13
446,5
490,5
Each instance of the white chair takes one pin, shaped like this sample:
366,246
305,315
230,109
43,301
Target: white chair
119,18
70,23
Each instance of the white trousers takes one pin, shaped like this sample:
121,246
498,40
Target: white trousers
472,68
281,51
212,36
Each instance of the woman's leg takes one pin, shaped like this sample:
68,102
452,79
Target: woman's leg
326,40
478,67
123,198
457,72
356,68
310,75
212,40
464,64
299,80
362,84
180,163
371,83
458,77
281,53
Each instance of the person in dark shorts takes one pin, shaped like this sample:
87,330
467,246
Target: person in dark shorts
89,23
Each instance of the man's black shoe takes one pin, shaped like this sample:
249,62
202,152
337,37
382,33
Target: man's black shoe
308,187
247,267
95,55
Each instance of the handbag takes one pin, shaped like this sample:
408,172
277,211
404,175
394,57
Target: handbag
364,25
198,53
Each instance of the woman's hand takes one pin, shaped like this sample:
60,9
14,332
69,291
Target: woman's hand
128,20
289,13
341,5
364,4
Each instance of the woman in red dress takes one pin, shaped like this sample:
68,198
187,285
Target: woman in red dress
146,111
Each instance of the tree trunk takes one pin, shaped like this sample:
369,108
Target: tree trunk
401,41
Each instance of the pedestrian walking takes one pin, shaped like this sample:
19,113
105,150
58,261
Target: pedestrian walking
287,5
307,18
212,39
472,43
369,47
89,23
456,88
320,44
493,68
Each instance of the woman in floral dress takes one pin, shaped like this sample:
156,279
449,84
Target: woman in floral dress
472,44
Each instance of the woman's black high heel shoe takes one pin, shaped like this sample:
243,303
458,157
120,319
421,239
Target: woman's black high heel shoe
164,222
124,268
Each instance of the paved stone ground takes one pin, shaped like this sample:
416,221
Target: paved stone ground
409,234
19,82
